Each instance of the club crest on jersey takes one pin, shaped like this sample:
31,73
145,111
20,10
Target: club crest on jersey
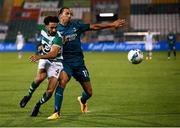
74,29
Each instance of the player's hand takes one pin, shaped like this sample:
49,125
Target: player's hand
119,23
34,58
40,48
65,39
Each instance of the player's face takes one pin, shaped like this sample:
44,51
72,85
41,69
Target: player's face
66,15
52,28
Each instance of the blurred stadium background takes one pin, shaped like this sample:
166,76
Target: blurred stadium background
158,16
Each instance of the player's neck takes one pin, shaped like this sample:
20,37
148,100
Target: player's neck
64,23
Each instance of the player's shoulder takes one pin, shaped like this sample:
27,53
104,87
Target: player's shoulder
58,35
44,33
77,22
57,39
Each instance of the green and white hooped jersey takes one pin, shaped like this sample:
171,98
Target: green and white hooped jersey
47,42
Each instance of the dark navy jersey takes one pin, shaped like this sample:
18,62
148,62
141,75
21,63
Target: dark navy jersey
72,50
171,38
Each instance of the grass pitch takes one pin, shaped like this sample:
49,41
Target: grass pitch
146,95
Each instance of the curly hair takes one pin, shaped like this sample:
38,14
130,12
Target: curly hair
49,19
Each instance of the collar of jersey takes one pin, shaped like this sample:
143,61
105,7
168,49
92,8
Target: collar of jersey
65,25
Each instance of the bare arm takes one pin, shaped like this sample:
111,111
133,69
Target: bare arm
52,54
116,24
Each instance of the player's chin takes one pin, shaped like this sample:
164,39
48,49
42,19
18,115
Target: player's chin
53,34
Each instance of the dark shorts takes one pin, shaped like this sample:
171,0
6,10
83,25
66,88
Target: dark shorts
172,47
78,70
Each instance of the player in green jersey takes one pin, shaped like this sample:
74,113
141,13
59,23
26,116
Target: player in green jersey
49,65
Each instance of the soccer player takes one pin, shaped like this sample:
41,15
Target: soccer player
171,40
73,59
149,45
50,64
19,43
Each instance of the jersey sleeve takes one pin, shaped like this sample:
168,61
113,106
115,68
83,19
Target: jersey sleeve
83,27
57,41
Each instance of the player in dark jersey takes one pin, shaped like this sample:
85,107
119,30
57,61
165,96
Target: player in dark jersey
171,40
73,62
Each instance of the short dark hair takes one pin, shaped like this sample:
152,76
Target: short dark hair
49,19
61,10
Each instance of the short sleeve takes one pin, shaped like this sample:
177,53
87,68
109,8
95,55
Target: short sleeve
83,27
58,41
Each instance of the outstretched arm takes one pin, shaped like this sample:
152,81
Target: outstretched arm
116,24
